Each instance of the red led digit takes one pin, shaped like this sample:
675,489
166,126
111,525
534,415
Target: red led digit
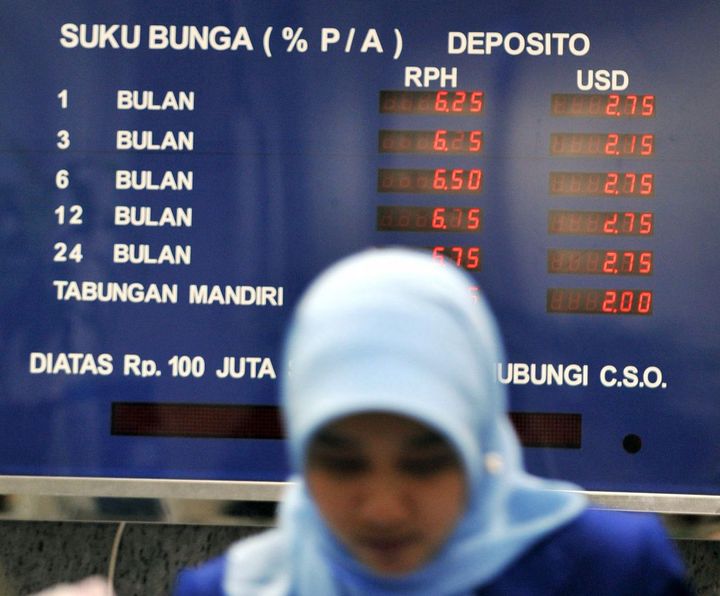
476,138
611,145
438,220
628,262
440,143
628,186
645,303
648,105
611,109
441,101
626,301
610,224
631,101
647,144
610,262
628,145
646,223
609,302
459,101
645,267
456,179
646,184
476,101
473,258
611,183
457,254
474,220
628,224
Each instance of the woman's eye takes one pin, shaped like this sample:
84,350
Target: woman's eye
427,466
339,465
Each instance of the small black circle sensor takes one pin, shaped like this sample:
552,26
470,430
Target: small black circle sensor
632,443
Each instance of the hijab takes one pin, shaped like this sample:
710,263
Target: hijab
394,330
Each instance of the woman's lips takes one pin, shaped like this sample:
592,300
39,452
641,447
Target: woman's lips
388,547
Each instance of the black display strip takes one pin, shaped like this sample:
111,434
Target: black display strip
224,421
548,429
196,420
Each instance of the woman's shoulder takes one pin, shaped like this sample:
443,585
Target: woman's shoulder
254,560
619,531
600,552
205,580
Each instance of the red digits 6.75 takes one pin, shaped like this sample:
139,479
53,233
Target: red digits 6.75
467,257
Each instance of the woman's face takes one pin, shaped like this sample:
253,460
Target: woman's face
390,488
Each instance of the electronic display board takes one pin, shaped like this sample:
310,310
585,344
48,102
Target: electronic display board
173,174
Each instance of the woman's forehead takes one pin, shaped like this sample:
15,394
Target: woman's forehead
359,430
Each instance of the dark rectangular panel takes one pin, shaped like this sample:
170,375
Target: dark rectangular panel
548,429
196,420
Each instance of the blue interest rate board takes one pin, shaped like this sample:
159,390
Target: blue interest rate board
173,174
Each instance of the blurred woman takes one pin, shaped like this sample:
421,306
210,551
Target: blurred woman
408,476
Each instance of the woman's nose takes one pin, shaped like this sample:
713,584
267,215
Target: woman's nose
385,502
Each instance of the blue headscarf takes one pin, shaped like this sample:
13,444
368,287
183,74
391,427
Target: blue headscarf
393,330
